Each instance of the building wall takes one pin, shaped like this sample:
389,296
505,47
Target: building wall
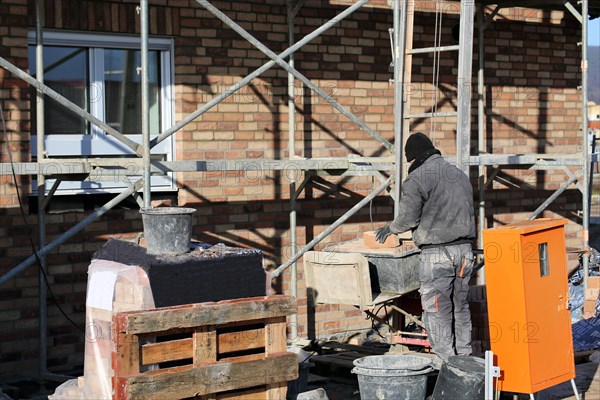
532,105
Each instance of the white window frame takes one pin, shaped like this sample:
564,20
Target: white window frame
97,143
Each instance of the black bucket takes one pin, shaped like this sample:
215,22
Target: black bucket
168,230
461,378
392,377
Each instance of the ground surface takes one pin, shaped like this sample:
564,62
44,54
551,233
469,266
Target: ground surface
341,384
587,382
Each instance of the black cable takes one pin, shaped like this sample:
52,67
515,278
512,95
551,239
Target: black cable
307,357
373,326
28,228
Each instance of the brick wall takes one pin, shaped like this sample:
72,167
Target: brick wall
532,106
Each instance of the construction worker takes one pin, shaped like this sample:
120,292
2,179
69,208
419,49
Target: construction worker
437,206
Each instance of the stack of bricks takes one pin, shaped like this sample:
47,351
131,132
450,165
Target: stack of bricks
131,292
592,296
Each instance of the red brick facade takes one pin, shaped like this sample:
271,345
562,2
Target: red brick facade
532,100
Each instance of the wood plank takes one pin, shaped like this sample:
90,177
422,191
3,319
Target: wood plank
277,391
205,345
275,335
213,378
194,315
242,340
172,350
170,370
276,342
128,354
248,394
248,357
125,361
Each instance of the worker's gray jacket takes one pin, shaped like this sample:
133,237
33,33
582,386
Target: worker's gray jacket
437,204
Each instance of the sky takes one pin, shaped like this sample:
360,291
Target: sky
594,32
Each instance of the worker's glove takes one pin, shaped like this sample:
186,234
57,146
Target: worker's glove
382,233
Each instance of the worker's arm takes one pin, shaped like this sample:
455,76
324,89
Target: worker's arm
410,207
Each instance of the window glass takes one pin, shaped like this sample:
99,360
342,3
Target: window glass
66,72
122,90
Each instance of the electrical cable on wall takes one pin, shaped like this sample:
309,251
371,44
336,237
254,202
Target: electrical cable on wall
28,228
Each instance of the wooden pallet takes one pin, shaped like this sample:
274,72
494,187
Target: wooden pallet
233,349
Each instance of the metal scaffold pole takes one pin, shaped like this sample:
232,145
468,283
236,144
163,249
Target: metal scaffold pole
586,144
41,183
332,227
70,233
145,100
481,128
399,23
463,90
291,15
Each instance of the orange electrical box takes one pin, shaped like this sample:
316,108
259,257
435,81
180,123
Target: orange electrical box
527,295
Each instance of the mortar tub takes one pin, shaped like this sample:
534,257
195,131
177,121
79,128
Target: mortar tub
390,377
398,273
347,273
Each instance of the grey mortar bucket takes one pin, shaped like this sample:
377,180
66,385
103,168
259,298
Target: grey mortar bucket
392,377
461,377
168,230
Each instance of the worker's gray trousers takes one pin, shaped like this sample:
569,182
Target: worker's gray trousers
444,277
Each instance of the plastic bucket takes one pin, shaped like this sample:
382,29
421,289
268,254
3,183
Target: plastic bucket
462,377
392,377
168,230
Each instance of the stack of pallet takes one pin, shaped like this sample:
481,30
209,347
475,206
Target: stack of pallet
230,349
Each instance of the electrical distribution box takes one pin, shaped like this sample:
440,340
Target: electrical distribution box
528,304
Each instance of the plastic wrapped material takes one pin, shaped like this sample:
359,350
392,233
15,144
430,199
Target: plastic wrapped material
70,390
112,287
586,334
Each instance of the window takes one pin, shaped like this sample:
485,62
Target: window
100,73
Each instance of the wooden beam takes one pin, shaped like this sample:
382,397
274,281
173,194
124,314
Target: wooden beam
213,378
193,315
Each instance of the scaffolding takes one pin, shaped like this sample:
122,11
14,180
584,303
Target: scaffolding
378,167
